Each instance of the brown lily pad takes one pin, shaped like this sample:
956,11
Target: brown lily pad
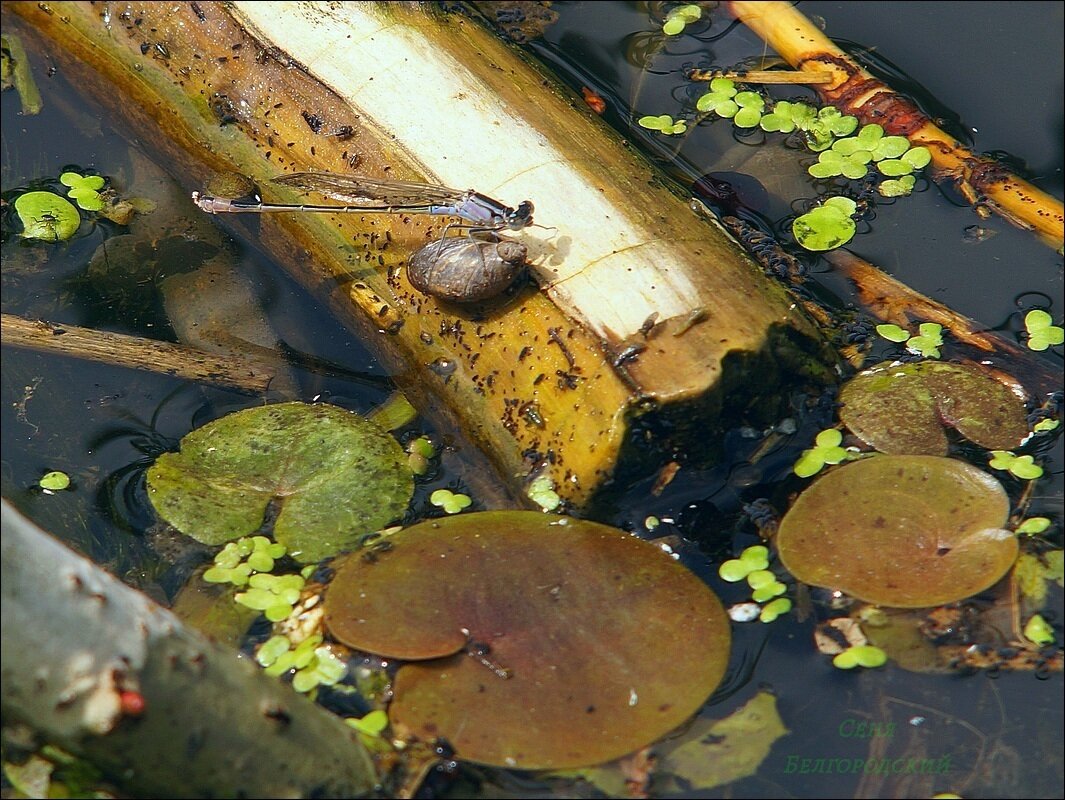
900,531
550,642
903,408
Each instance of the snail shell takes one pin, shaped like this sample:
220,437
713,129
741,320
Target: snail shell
465,270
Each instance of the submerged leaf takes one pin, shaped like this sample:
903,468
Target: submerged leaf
551,642
715,752
900,531
902,408
334,475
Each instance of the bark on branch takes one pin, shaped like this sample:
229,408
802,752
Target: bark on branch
75,639
986,183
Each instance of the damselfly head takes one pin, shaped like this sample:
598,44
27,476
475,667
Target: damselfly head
520,217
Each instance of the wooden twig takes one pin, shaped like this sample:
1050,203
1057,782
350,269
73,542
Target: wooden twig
892,301
135,352
762,76
987,184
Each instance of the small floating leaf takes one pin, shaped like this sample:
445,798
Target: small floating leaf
900,531
826,227
774,609
47,216
54,481
1042,332
679,17
1023,467
902,408
449,501
84,189
1039,631
900,187
548,642
893,333
663,123
1033,526
862,655
333,474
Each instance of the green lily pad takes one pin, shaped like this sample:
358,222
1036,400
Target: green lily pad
550,642
900,531
333,474
903,408
47,216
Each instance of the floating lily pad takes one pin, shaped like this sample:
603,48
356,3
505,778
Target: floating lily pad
553,642
333,474
900,531
903,408
47,216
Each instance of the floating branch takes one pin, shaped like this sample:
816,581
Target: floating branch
984,182
137,353
763,76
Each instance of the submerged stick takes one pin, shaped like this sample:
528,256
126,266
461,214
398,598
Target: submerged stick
987,184
892,301
137,353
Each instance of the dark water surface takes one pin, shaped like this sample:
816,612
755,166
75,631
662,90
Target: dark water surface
992,71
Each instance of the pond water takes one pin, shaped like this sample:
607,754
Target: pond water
992,72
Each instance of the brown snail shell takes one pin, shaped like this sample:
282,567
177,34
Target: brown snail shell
461,269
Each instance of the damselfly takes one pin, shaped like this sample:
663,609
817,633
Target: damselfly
371,196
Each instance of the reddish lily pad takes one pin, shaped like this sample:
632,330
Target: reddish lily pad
903,408
334,475
551,642
900,531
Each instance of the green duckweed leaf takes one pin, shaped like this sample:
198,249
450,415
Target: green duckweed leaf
825,227
893,333
720,98
902,408
449,501
46,216
862,655
826,450
750,109
372,724
900,531
774,609
901,187
831,163
1023,467
1042,332
333,474
753,559
787,117
917,157
542,492
607,644
84,190
1037,630
1033,526
681,16
54,481
663,123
